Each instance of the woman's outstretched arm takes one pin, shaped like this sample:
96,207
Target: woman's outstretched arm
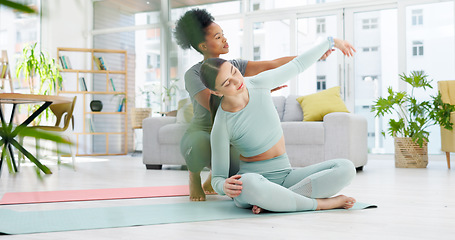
279,76
256,67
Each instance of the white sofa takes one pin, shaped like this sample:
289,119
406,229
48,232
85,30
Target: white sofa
339,135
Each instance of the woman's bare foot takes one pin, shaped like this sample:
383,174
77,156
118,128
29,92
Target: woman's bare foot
207,186
340,201
257,210
196,191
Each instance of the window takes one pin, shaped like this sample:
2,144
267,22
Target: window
370,78
258,25
417,17
281,4
149,61
370,23
370,49
320,25
321,83
437,36
257,53
323,74
17,30
417,48
256,6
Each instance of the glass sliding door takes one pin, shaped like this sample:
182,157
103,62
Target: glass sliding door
375,68
258,5
324,74
271,40
430,48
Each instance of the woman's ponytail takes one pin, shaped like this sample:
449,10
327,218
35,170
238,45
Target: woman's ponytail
209,71
215,102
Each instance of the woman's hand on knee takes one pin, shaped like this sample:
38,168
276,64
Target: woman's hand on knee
233,186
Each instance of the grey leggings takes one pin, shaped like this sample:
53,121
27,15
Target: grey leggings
195,149
273,185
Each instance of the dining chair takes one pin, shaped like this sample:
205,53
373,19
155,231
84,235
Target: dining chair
64,115
447,90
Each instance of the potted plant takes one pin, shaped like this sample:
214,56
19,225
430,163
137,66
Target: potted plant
43,76
35,65
170,92
413,118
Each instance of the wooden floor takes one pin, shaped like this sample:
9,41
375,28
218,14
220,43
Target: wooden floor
412,203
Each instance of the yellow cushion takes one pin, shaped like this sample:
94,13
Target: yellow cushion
184,111
315,106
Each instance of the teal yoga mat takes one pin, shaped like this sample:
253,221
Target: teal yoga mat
16,222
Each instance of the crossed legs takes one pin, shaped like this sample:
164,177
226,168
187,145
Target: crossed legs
309,188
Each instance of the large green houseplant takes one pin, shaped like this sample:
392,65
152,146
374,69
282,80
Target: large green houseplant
413,117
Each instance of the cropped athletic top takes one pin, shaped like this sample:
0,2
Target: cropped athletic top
255,128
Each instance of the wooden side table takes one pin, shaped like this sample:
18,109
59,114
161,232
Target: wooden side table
9,132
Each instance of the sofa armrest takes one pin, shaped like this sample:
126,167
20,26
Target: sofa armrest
151,147
346,136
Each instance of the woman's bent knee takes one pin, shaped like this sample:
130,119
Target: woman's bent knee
195,149
252,185
346,168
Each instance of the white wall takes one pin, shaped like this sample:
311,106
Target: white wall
66,24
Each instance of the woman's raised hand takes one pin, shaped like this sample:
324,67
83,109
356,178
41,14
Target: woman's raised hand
233,186
344,47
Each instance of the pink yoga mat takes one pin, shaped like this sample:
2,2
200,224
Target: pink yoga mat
93,194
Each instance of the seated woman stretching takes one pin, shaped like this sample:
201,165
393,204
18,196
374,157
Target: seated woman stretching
247,119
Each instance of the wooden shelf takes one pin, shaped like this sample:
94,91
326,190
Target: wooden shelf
93,92
93,71
100,133
105,113
72,76
63,49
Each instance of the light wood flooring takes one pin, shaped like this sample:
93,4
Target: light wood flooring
412,203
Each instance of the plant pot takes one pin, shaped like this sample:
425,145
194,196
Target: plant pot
408,154
96,105
138,115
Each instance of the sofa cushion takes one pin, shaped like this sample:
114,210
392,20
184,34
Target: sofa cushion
172,133
315,106
184,111
292,110
303,133
279,102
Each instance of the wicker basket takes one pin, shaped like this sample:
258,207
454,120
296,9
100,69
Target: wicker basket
408,154
139,114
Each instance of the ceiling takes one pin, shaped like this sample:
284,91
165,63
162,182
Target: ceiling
137,6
